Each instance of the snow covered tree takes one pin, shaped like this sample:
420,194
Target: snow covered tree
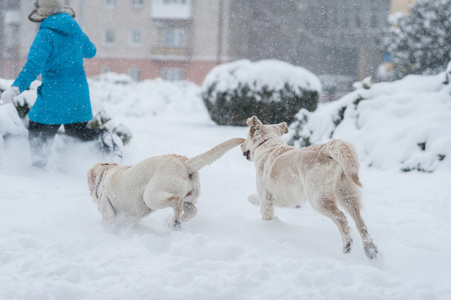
420,43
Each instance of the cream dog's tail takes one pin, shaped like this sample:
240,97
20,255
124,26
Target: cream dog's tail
346,156
198,162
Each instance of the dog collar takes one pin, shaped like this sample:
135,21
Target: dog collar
98,184
262,143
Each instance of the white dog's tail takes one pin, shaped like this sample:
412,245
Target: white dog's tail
346,156
198,162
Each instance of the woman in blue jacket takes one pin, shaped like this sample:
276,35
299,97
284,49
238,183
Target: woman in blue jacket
57,53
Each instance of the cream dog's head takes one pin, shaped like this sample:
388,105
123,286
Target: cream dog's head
96,172
259,134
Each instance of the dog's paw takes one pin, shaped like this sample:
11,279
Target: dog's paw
371,251
177,225
347,248
253,199
267,218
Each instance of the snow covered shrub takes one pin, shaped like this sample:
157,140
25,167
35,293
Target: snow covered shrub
272,90
25,100
103,120
11,124
402,124
23,103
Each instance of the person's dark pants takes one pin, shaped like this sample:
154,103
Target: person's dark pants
40,137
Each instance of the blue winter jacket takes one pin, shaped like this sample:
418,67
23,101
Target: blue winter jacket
57,53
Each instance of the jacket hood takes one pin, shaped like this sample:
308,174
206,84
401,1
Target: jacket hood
64,23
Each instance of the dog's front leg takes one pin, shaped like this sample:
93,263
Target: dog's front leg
108,213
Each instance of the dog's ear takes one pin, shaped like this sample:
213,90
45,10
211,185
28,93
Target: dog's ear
283,127
254,121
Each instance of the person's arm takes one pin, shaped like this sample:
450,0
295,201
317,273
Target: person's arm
89,49
38,56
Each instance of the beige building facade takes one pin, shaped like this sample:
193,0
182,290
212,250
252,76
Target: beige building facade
176,39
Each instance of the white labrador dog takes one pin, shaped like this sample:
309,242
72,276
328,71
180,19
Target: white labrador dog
126,194
326,175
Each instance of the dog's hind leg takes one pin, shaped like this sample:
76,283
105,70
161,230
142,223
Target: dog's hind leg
326,205
350,200
189,211
155,199
266,207
177,205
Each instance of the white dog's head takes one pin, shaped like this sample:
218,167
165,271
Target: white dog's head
259,134
96,171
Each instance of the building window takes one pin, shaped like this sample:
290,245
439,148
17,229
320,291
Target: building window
136,37
174,37
171,9
172,74
109,37
110,3
136,3
135,74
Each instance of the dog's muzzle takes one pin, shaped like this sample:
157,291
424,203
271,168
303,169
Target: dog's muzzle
247,154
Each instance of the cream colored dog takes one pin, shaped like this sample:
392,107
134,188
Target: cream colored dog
326,175
126,194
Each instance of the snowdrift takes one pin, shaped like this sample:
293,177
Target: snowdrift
394,125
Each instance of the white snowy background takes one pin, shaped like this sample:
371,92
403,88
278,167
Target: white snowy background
52,245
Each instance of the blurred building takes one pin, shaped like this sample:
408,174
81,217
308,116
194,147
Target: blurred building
185,39
172,39
338,40
16,35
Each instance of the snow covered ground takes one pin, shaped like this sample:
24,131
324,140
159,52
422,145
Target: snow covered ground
52,245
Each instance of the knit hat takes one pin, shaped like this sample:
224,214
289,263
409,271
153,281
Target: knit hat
47,8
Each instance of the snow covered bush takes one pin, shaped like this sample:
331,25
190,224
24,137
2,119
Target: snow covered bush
403,124
10,124
11,115
272,90
13,121
420,43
